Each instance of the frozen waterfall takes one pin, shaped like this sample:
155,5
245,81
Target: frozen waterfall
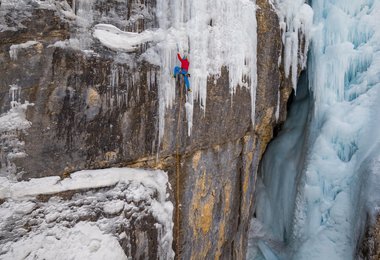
215,33
318,178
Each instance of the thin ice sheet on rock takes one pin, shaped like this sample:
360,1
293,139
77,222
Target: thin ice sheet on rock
276,184
11,123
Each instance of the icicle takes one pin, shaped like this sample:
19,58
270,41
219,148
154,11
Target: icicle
278,105
15,94
13,50
295,19
85,19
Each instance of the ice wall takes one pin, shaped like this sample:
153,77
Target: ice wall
326,195
345,82
276,187
215,34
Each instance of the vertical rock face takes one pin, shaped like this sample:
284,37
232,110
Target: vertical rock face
370,246
98,108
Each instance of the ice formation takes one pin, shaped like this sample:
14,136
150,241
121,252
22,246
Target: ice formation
13,50
11,124
214,33
296,20
320,175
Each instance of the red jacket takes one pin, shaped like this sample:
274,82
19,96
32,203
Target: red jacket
184,63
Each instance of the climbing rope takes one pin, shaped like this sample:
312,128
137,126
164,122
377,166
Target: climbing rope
178,161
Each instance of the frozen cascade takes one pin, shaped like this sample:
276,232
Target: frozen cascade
274,219
296,19
216,33
311,203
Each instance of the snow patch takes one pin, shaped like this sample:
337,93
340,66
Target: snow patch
113,38
60,227
83,241
114,207
85,179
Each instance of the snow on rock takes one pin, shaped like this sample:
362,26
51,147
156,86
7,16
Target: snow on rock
72,43
92,215
83,241
113,38
114,207
85,179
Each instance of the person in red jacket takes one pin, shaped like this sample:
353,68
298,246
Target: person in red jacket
183,70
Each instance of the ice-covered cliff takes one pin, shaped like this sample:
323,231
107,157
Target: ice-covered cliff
88,85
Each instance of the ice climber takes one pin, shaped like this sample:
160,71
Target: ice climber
183,70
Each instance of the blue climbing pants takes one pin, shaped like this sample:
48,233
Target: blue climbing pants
178,70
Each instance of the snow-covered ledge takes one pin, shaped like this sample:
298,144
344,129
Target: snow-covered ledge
91,215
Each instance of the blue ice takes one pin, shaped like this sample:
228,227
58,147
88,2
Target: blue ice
318,178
